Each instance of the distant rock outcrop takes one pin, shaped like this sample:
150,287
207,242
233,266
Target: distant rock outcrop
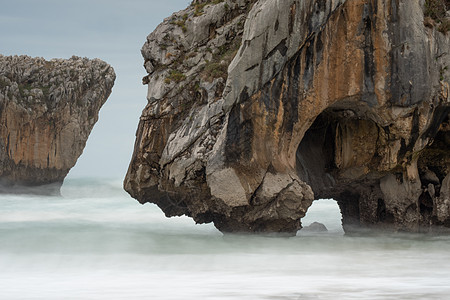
256,108
47,110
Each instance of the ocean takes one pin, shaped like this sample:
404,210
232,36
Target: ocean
96,242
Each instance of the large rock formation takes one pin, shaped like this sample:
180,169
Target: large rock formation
47,110
343,99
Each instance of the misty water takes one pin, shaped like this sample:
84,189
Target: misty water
96,242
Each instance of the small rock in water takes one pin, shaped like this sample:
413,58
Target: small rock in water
315,227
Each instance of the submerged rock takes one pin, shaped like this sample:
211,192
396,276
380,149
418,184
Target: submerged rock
256,108
47,110
315,227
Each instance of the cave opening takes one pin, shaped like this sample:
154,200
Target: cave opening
433,165
323,216
315,154
432,170
333,157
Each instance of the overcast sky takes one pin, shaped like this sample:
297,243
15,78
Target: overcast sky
111,30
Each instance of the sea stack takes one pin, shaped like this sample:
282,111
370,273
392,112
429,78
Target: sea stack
47,110
257,108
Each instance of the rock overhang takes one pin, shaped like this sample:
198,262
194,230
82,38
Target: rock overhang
347,63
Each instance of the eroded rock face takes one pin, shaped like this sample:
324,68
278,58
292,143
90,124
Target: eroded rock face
47,110
323,99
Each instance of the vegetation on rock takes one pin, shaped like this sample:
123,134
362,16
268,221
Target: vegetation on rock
437,13
222,57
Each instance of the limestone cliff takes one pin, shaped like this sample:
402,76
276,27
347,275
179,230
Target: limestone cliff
256,108
47,110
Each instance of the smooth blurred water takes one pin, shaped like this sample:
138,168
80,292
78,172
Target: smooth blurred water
98,243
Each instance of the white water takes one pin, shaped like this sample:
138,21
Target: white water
98,243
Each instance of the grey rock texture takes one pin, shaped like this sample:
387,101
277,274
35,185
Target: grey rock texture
343,99
315,227
47,110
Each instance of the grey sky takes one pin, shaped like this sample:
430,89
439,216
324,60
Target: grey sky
110,30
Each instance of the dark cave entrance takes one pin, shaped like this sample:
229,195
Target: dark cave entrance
340,154
433,165
315,154
332,156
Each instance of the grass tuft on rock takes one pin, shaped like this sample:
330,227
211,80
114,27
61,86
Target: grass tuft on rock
175,75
